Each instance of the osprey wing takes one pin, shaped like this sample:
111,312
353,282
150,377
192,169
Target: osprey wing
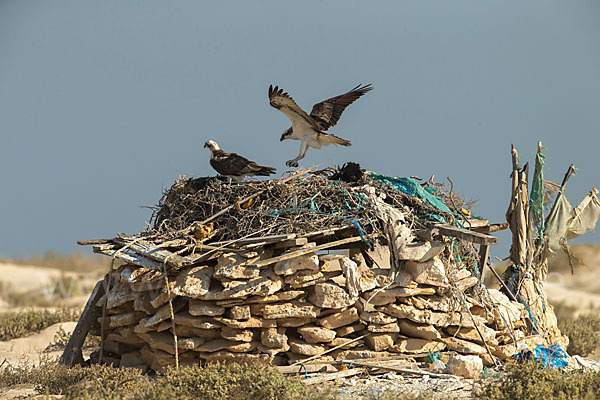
283,102
327,113
231,164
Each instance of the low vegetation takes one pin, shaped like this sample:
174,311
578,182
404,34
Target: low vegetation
583,330
18,324
531,381
212,382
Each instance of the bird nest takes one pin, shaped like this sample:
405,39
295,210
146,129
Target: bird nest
315,201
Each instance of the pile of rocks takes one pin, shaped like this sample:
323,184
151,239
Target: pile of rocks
286,300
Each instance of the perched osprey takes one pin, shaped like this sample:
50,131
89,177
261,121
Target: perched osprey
310,128
233,165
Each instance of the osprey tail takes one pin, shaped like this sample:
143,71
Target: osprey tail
265,171
329,138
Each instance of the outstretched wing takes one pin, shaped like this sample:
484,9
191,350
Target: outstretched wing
327,113
284,103
232,164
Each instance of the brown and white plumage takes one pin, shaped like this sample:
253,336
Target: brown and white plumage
310,128
233,165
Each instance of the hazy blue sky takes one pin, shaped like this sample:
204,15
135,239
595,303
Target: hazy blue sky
104,102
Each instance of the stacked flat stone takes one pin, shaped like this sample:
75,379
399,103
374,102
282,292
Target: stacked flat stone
301,307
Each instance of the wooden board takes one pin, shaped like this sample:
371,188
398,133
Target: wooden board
329,377
465,234
72,354
302,252
126,255
154,253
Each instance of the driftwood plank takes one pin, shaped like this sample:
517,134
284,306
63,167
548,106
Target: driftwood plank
335,375
127,255
93,241
290,243
302,252
152,252
390,367
310,368
465,234
491,228
72,354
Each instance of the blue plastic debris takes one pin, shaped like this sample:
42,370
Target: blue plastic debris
553,356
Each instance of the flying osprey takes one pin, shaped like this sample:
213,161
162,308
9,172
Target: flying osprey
232,165
310,128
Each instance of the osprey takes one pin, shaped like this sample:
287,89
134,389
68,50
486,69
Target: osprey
310,128
232,165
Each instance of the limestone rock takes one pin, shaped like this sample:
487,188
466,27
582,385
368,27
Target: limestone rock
463,346
360,354
199,308
228,356
340,319
342,342
421,251
381,341
231,266
304,278
164,341
224,344
466,283
314,334
471,334
301,347
422,331
465,366
377,318
377,328
349,329
367,281
118,295
265,285
186,319
430,272
159,360
239,312
279,296
288,267
437,303
328,295
237,335
274,338
352,275
290,310
249,323
416,346
429,317
293,322
383,297
193,282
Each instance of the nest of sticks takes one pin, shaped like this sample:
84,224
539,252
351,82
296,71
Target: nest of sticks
314,201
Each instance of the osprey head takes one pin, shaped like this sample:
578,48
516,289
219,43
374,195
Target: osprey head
286,134
211,145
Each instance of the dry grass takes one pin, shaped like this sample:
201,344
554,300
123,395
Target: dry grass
18,324
531,381
212,382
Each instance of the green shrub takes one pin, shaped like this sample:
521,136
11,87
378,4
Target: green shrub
251,381
18,324
217,381
531,381
583,331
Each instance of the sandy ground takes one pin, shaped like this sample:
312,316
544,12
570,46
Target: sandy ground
28,350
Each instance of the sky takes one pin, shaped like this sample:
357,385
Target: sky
103,104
